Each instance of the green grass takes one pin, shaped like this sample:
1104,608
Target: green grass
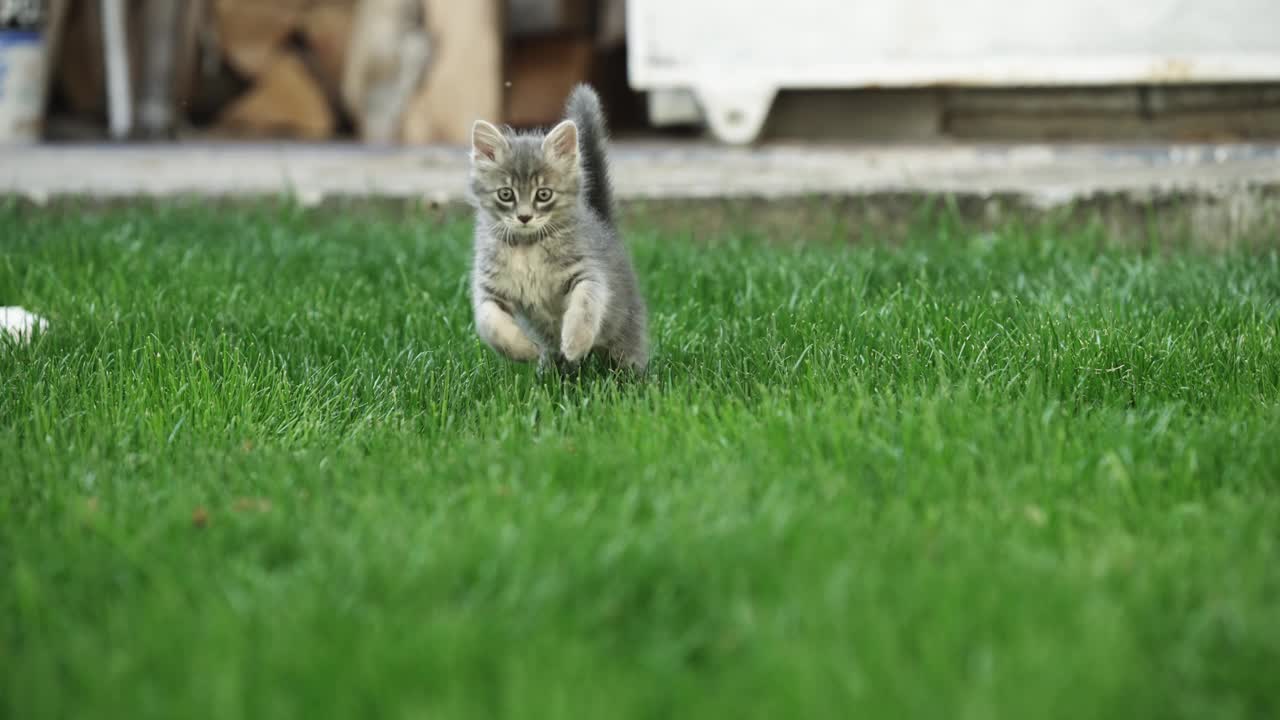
261,467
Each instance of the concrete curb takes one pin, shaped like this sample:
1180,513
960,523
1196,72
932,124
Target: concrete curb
1045,175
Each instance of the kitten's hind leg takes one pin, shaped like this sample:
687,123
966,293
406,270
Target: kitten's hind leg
500,331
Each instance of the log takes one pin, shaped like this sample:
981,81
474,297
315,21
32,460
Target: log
251,31
286,101
326,30
464,79
386,58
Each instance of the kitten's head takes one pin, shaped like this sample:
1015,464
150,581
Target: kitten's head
527,185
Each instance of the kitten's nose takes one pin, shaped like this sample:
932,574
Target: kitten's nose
524,218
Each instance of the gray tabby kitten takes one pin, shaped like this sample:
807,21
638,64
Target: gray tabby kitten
551,278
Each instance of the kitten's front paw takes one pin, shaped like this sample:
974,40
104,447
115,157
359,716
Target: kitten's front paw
555,362
548,363
576,343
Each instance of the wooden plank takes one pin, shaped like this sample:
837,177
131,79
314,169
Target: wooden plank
531,18
541,72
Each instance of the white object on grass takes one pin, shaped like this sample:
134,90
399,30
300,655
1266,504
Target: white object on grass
20,324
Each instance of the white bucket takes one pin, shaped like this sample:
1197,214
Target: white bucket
22,86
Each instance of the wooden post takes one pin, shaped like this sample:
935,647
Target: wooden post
115,45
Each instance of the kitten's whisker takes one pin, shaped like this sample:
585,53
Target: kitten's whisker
500,230
550,228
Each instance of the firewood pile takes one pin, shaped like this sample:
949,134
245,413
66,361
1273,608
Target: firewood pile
384,71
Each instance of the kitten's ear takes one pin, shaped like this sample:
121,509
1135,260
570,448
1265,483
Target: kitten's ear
487,142
562,142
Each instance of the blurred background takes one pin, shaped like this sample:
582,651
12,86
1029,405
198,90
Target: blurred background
419,72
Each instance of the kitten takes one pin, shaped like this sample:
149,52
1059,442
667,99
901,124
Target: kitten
551,279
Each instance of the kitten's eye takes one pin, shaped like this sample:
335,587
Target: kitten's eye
543,195
506,194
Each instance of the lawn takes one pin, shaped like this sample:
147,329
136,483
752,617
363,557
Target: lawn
260,467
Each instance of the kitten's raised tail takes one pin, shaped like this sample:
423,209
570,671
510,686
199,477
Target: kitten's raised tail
584,110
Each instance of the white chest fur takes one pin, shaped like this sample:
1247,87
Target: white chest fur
531,277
